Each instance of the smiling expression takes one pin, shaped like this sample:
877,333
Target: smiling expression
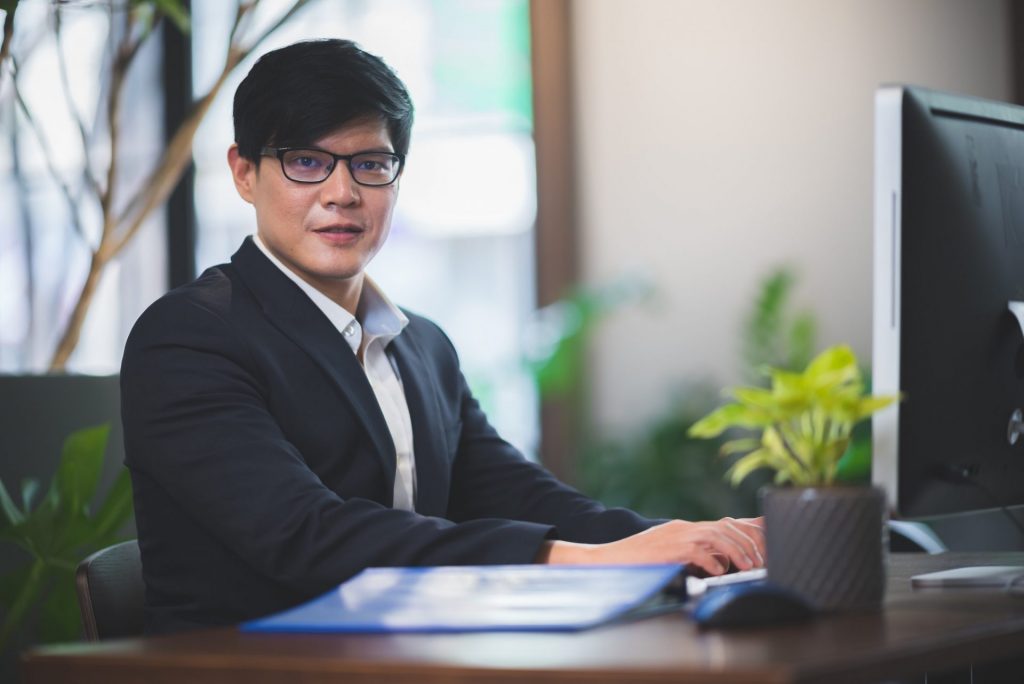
326,233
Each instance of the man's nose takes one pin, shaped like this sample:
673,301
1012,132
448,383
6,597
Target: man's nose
340,188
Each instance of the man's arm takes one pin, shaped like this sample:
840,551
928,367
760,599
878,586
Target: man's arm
491,478
714,546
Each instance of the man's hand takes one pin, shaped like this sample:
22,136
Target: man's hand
711,546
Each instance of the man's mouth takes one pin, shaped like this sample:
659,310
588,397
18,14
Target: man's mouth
339,229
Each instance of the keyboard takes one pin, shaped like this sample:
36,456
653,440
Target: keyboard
696,586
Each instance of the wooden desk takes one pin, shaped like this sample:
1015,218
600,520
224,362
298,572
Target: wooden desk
918,631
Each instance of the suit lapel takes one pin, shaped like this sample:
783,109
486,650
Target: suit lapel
429,440
292,312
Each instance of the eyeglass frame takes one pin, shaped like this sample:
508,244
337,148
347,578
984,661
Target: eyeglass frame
279,152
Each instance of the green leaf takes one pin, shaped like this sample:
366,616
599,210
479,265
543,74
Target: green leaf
831,368
29,489
80,464
70,533
557,339
115,511
748,464
761,331
60,618
23,600
11,512
833,452
40,526
16,534
855,464
801,445
787,386
755,396
11,583
730,415
172,9
737,446
837,358
868,405
802,337
57,534
806,419
176,12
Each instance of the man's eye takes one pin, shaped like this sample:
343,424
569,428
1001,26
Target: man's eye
306,162
370,165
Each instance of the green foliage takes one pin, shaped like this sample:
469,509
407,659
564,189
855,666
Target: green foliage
661,471
558,343
55,534
805,420
174,10
771,335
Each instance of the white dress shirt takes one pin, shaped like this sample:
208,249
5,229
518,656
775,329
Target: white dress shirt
379,321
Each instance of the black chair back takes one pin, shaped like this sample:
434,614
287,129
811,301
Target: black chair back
111,591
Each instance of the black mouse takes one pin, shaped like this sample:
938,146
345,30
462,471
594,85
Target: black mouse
749,604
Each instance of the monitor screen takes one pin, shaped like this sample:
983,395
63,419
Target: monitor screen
949,263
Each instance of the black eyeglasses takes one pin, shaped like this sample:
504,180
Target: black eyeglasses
310,165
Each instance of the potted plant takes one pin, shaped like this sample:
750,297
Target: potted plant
43,538
825,539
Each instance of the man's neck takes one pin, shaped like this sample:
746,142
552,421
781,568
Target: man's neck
344,293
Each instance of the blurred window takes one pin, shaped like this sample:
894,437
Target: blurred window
45,246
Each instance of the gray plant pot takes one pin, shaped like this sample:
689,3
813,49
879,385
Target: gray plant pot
828,544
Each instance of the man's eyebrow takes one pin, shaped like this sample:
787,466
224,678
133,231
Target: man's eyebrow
368,150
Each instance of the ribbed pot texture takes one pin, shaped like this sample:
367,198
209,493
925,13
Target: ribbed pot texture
828,544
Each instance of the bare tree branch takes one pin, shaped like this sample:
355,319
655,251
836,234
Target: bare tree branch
242,9
161,182
87,174
118,230
159,185
73,330
296,6
27,232
5,46
51,166
119,71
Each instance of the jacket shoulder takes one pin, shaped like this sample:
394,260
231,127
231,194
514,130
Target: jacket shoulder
428,333
203,306
213,292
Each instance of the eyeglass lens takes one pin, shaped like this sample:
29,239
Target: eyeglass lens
313,166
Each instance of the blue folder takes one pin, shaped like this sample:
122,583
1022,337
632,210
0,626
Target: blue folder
483,598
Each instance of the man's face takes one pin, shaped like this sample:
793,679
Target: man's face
324,232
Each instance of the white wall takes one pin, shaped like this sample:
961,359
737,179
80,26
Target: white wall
718,139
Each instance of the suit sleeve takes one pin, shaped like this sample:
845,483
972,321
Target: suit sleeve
492,479
198,427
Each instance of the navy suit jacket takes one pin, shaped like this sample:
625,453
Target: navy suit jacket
263,469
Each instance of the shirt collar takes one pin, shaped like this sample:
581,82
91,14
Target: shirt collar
380,317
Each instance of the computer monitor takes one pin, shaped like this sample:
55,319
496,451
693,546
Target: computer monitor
949,266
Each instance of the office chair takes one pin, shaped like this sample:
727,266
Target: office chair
110,592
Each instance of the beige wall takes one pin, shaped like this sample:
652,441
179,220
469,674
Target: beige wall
718,139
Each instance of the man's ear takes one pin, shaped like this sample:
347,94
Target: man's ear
243,172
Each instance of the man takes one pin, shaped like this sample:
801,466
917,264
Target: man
286,425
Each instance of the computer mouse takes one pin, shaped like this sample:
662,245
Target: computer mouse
749,604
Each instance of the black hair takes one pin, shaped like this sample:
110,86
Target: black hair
302,92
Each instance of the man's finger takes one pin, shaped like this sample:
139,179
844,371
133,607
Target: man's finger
755,547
